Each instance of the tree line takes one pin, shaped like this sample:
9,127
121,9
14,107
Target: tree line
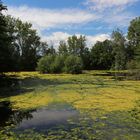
21,49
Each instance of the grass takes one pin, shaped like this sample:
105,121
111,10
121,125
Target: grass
92,93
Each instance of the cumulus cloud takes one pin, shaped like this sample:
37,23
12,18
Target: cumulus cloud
119,19
46,18
113,12
56,37
104,4
91,40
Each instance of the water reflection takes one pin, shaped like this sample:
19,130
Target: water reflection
11,86
5,112
8,116
44,119
40,120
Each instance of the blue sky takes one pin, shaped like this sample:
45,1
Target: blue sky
55,20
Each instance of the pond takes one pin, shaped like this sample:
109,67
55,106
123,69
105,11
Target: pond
48,117
40,119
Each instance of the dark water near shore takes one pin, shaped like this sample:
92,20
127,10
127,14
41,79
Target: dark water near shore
40,119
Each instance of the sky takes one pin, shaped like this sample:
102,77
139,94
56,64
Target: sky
56,20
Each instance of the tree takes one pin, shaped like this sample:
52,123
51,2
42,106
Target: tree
43,50
134,32
86,58
15,48
51,50
134,38
118,41
63,48
76,45
25,41
102,55
6,63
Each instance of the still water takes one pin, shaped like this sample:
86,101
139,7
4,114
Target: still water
40,119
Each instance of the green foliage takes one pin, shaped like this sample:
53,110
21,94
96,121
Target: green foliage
63,48
45,64
76,46
7,134
134,32
51,64
6,63
86,59
134,42
59,63
119,50
25,42
134,38
131,65
73,64
102,55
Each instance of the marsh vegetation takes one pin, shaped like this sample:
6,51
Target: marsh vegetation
93,105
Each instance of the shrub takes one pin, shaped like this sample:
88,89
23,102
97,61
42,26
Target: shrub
134,70
45,64
73,64
51,64
58,64
131,65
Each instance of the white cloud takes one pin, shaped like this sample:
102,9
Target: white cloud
46,18
113,12
119,19
105,4
91,40
56,37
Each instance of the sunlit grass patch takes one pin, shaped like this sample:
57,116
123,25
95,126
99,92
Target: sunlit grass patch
31,100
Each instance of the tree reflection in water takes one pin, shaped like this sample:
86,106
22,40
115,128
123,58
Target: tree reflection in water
8,116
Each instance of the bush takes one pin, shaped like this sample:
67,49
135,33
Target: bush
59,63
132,65
134,70
51,64
73,64
45,64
